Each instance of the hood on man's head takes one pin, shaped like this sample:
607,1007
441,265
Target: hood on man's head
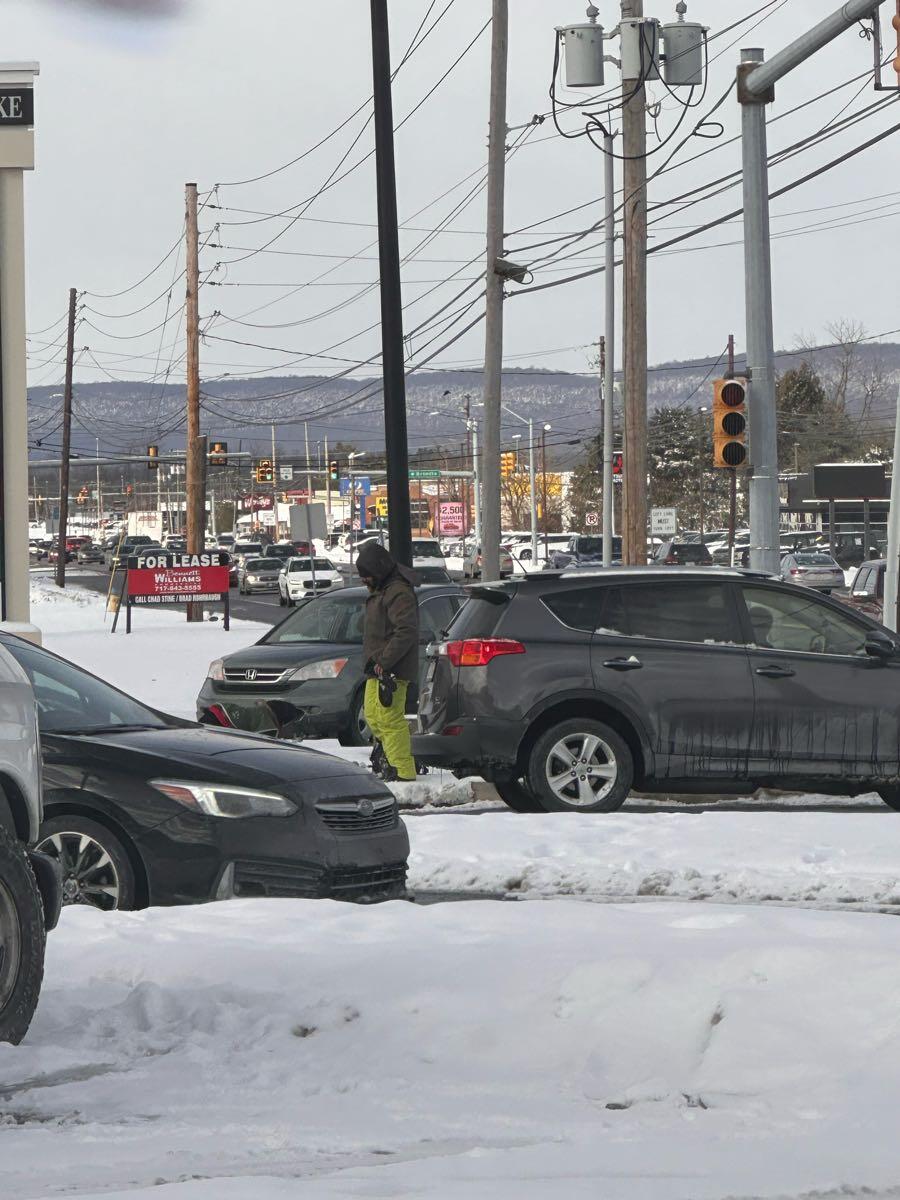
374,562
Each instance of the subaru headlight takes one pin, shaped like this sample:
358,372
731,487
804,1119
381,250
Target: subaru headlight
327,669
216,671
215,800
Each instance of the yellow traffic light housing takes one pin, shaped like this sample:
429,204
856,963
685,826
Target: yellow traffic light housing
507,463
730,444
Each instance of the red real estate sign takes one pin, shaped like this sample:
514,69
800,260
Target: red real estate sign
176,578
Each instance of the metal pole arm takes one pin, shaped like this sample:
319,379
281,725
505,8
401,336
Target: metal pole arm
762,78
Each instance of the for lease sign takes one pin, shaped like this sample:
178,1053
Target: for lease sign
177,578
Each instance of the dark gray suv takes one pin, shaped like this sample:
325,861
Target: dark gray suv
567,690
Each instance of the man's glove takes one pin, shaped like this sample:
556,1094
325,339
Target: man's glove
387,685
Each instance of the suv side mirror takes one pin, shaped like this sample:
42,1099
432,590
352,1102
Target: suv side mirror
880,645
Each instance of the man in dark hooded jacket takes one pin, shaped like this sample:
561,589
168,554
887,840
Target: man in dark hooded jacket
391,648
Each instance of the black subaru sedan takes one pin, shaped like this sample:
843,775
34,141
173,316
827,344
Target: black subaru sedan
142,808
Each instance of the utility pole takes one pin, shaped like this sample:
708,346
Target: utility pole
195,467
608,344
493,325
309,487
274,487
756,81
634,311
327,487
476,480
891,615
392,358
544,491
66,445
701,412
99,491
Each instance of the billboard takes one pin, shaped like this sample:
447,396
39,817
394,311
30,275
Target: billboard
849,481
452,518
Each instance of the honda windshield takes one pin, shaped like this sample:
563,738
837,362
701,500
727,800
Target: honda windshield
325,619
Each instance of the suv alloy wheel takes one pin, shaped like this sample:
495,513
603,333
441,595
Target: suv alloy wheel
580,765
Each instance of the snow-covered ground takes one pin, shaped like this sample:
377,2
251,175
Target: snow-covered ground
731,857
265,1050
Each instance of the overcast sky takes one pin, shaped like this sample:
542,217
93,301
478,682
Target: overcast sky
136,97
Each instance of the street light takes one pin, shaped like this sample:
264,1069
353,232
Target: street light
531,477
544,432
350,457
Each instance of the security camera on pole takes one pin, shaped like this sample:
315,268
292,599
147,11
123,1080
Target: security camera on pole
680,64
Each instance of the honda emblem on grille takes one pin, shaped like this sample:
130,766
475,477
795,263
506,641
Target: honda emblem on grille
365,808
250,674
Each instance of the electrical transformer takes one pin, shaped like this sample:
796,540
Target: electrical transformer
683,45
584,55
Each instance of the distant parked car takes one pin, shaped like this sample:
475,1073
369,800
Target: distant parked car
118,553
867,589
297,579
258,575
683,554
472,563
581,550
89,553
813,569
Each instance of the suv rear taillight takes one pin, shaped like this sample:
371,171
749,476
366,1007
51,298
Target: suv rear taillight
478,652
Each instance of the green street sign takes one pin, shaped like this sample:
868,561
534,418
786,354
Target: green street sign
424,474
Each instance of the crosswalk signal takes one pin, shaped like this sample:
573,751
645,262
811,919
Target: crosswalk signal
218,454
264,472
333,471
507,463
730,423
153,458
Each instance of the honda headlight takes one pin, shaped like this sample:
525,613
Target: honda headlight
327,669
215,800
216,671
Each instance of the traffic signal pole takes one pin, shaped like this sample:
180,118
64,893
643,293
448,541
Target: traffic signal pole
392,357
756,80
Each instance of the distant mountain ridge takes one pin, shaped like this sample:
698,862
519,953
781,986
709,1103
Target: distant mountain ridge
127,415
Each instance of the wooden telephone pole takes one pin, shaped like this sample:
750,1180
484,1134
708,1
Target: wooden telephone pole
634,323
195,469
66,447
